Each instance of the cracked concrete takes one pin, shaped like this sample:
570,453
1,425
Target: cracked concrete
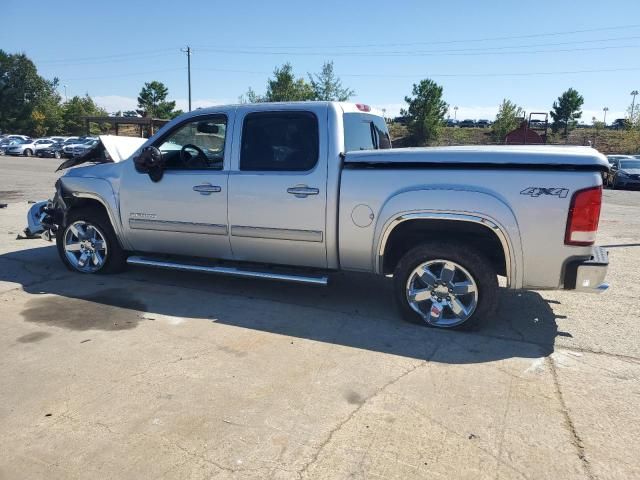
237,379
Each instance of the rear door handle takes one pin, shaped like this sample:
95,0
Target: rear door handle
302,191
207,189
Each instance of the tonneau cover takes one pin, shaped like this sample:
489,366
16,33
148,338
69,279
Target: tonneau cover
501,156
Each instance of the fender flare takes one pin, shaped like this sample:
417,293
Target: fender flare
454,205
101,191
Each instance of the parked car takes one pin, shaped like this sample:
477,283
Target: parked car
467,123
611,158
620,124
314,187
451,122
52,151
28,147
624,173
5,143
483,123
78,147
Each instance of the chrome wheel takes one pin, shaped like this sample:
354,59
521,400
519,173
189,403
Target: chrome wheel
85,246
444,293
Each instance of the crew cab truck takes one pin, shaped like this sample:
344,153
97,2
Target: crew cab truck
294,191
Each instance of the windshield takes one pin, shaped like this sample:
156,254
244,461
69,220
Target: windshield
630,164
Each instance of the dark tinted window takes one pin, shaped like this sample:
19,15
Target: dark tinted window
365,132
280,141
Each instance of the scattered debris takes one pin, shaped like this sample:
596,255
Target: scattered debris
85,341
47,415
472,436
31,202
4,205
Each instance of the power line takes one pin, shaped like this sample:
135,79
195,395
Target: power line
149,72
446,42
107,58
412,54
376,75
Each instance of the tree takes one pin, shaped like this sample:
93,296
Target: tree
73,112
152,101
28,102
566,110
327,86
426,112
283,87
508,116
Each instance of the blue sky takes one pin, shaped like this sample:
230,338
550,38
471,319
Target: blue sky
109,49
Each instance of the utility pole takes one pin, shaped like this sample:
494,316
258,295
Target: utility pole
605,110
455,112
633,103
188,52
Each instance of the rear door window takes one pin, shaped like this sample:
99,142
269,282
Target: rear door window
279,141
365,132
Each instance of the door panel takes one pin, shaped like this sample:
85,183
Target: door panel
279,216
170,217
185,213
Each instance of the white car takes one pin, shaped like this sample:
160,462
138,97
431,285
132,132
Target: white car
28,147
77,149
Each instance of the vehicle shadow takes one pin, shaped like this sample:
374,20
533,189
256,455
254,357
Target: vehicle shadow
355,310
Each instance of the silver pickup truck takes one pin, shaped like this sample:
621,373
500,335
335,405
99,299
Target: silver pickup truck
294,191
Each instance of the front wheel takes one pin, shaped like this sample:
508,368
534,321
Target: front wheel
88,244
445,285
28,153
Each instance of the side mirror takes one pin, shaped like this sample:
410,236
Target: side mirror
150,161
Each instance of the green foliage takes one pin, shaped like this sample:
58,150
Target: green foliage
566,110
28,103
285,87
426,111
327,86
152,101
73,112
506,120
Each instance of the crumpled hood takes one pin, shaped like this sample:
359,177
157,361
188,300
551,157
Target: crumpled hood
110,148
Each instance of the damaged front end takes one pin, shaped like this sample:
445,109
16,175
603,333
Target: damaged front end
44,217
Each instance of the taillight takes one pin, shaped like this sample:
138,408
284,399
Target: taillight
584,214
362,107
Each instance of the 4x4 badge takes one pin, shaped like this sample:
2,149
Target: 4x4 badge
537,191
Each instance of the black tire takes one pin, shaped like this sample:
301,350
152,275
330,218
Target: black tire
116,259
57,155
27,152
476,264
614,184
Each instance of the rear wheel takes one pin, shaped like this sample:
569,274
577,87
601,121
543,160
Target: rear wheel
445,285
27,152
88,243
56,155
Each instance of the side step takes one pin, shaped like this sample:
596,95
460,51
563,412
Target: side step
230,271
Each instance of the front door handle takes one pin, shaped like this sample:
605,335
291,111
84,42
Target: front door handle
207,189
302,191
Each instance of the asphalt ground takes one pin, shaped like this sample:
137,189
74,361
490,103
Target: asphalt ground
152,374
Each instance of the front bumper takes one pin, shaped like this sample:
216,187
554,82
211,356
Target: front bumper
588,275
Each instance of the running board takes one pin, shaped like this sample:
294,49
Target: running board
230,271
